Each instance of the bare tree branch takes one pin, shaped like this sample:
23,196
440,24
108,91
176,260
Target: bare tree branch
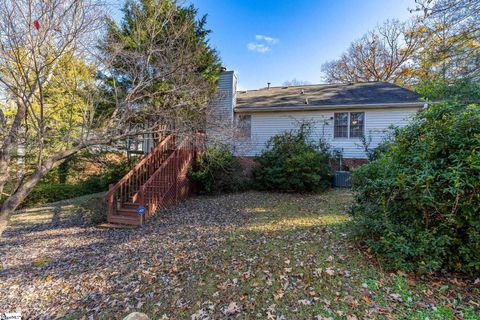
380,55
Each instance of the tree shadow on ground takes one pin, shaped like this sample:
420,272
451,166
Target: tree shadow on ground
56,268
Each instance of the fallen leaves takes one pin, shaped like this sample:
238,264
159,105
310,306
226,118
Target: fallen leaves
366,296
200,260
278,294
231,309
305,302
396,297
330,271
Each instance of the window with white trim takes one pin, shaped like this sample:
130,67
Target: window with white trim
341,125
348,124
357,124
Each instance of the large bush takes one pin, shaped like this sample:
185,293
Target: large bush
418,205
292,162
217,170
51,190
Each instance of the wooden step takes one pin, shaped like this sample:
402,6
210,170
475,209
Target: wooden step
130,205
116,226
128,212
120,219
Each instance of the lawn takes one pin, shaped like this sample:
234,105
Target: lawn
249,255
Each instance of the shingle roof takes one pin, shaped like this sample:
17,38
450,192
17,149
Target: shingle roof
326,95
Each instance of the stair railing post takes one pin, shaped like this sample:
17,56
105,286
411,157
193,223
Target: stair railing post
141,196
110,201
141,201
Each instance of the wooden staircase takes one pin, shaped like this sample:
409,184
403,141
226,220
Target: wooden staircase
157,181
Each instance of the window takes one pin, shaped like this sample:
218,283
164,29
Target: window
356,124
349,124
244,125
341,125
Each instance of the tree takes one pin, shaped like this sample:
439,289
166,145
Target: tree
159,58
34,37
381,55
449,57
464,13
52,125
156,69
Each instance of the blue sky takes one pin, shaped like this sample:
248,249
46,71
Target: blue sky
278,40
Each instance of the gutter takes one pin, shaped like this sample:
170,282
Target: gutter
329,107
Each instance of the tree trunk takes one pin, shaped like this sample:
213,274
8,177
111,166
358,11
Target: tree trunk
8,143
4,177
29,183
21,193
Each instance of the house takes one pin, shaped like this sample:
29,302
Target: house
340,113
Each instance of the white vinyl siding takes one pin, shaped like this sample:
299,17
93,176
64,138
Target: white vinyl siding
376,123
226,95
221,116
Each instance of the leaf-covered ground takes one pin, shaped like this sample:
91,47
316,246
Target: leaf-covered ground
247,256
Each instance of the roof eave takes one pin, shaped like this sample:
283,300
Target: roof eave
418,104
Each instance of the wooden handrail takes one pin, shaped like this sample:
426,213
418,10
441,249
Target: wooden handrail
174,154
139,165
157,190
122,191
141,191
157,180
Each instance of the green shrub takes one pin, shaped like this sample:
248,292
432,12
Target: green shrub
377,151
418,204
217,170
48,191
293,163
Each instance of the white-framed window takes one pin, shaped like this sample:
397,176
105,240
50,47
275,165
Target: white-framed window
244,125
340,121
348,124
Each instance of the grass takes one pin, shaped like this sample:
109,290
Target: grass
278,256
89,209
293,259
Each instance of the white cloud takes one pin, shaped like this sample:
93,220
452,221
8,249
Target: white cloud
263,44
258,47
267,39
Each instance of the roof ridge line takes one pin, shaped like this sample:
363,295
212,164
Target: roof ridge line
338,84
